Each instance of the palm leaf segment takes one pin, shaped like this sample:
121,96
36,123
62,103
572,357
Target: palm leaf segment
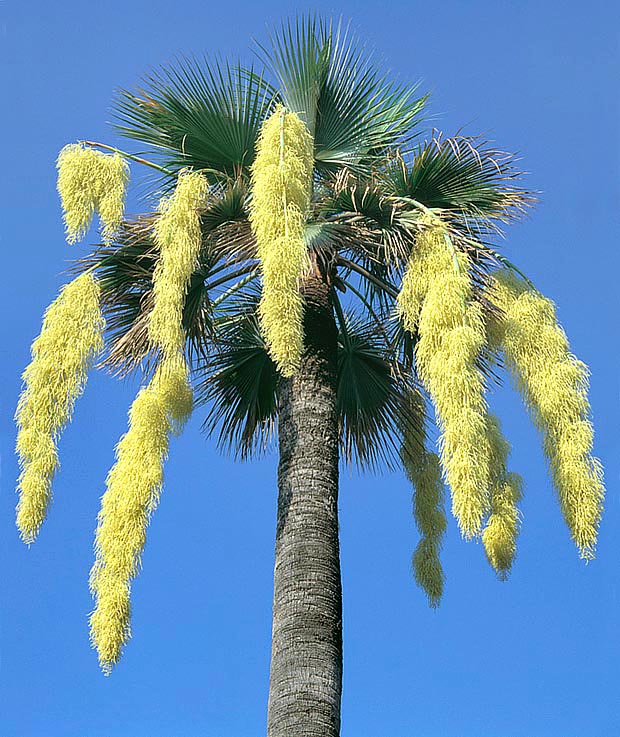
376,188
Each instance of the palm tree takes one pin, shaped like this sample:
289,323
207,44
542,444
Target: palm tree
403,297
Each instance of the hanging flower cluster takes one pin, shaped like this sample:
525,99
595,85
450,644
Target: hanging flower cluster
553,384
134,483
178,238
72,332
424,472
436,304
281,190
90,181
500,533
133,488
437,300
70,340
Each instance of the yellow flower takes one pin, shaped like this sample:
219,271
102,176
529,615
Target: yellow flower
88,182
171,382
424,472
429,258
179,239
554,385
281,191
500,534
160,410
70,339
436,302
133,489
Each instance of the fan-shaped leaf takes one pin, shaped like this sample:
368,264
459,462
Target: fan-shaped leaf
353,112
199,114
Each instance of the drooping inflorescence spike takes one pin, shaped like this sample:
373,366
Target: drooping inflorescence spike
132,493
437,302
281,191
178,239
500,533
554,385
90,181
160,410
424,472
172,384
428,259
70,339
428,512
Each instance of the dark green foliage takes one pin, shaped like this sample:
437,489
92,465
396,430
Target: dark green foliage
463,175
239,380
203,115
371,395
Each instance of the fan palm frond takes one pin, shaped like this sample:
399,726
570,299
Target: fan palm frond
125,273
239,383
462,175
200,114
327,77
371,187
371,396
239,380
380,238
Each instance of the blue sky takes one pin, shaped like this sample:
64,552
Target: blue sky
534,657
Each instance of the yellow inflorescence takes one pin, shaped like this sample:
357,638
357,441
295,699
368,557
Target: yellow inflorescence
70,339
429,258
88,182
161,409
281,191
171,382
554,385
178,238
451,335
500,534
424,472
133,489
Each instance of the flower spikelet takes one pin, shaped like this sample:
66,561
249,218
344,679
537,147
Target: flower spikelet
114,176
553,384
178,238
428,512
424,472
428,258
281,191
133,489
451,336
70,339
500,533
90,181
171,382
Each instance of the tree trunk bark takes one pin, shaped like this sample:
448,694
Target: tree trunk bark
306,657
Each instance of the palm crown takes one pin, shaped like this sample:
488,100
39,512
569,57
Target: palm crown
372,182
401,230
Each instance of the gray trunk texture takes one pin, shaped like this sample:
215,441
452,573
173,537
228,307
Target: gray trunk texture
306,657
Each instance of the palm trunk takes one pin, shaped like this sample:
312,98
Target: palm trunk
306,657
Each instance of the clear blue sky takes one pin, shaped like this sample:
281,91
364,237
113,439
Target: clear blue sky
535,657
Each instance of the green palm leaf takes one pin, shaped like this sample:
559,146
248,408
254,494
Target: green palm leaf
361,230
371,396
125,273
204,115
328,78
239,380
463,175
